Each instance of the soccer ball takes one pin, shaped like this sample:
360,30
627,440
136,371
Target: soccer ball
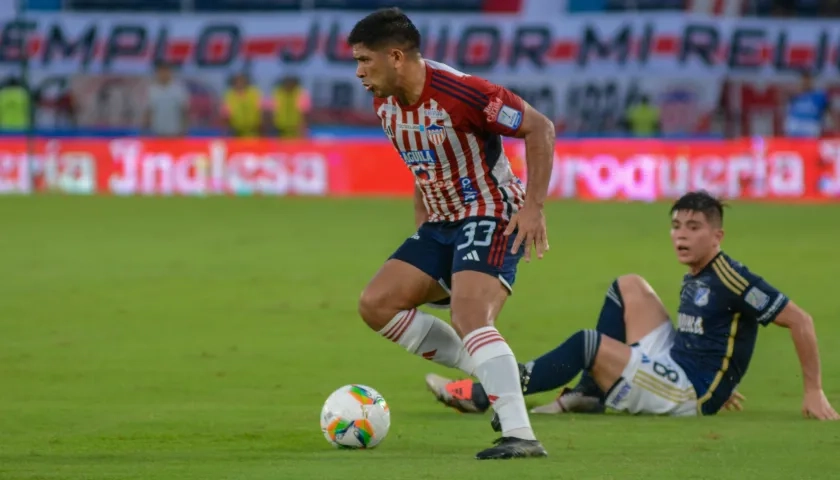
355,416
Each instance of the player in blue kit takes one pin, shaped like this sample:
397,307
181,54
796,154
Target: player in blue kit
637,361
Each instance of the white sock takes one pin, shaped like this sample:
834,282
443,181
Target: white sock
496,368
429,337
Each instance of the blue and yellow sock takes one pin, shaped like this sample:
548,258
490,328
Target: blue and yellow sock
611,324
554,369
559,366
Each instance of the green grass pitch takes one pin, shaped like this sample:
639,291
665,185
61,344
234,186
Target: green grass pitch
197,338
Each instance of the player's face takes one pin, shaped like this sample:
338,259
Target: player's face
695,240
376,69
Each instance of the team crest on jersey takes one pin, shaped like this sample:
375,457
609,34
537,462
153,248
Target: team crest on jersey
436,134
701,296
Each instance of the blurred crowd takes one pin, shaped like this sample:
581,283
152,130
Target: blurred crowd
245,111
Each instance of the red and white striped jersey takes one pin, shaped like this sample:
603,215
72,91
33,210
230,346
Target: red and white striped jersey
451,140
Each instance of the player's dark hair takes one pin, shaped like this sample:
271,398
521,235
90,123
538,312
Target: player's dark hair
385,27
703,202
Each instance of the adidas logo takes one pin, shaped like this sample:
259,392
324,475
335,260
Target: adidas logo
416,236
473,255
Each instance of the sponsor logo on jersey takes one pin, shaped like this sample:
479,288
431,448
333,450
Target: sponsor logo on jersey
434,113
436,134
424,174
410,127
419,157
690,324
701,296
468,192
492,109
756,298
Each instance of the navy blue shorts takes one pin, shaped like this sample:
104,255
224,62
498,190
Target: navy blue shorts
441,249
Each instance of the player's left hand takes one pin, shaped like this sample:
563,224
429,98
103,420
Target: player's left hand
816,405
734,402
531,224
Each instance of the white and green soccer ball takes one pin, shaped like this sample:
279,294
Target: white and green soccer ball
355,416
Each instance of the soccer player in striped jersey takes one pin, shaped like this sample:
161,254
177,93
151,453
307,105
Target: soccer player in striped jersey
637,361
474,218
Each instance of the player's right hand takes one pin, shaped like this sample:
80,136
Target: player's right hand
530,223
815,405
734,402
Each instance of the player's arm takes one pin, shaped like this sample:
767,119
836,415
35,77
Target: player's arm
420,212
539,135
804,335
505,113
760,300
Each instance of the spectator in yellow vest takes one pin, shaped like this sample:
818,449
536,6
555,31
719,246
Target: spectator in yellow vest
291,104
642,119
243,108
15,106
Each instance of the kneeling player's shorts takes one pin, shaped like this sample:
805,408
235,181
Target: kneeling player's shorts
652,382
441,249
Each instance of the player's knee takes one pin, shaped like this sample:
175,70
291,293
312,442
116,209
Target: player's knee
634,286
471,312
468,314
476,299
611,357
373,308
